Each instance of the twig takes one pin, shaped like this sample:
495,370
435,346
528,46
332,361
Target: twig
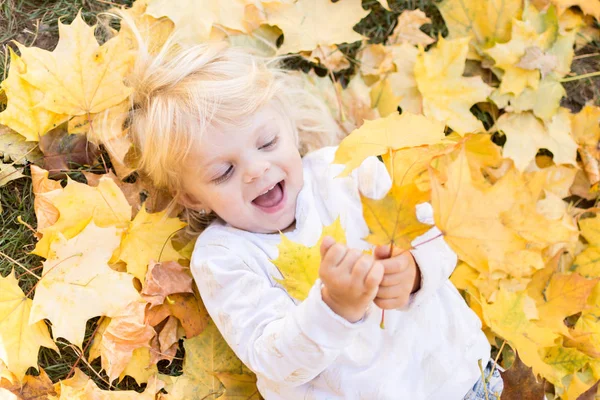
20,265
578,77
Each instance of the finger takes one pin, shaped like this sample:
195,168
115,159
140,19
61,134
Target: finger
392,292
361,268
350,259
396,264
374,277
335,254
327,242
392,279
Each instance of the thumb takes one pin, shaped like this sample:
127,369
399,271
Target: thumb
327,242
382,252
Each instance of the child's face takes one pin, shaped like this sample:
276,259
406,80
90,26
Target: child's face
237,165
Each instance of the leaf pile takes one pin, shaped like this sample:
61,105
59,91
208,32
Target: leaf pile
528,262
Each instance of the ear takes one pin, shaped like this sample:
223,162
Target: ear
191,202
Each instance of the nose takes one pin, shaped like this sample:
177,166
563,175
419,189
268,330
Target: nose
255,170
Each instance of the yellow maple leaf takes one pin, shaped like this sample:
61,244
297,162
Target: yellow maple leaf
507,55
399,88
206,357
469,217
393,219
586,332
148,237
586,262
525,135
101,127
22,113
543,101
512,316
154,31
19,341
194,20
386,135
350,106
447,95
564,361
586,126
309,23
79,76
486,21
75,281
78,203
299,264
587,6
559,295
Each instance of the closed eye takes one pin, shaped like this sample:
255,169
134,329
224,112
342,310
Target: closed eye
224,177
270,144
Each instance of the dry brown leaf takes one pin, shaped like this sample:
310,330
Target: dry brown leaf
125,332
164,279
32,388
407,29
520,383
65,152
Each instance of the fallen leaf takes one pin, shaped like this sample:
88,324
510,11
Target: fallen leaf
385,135
14,147
78,204
163,279
375,59
486,21
75,280
78,77
407,29
189,311
206,355
508,56
64,152
587,6
534,58
81,387
194,20
447,95
147,238
512,317
21,113
33,387
45,212
525,135
309,23
20,341
126,331
520,383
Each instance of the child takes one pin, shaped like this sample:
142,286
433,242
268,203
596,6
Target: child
224,131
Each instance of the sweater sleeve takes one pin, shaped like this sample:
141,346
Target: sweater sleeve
434,257
278,340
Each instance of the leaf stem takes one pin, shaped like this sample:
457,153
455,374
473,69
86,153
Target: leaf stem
578,77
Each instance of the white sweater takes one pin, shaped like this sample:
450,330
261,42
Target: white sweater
303,350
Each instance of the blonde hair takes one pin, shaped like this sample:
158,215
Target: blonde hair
178,92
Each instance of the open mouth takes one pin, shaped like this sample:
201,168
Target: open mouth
273,199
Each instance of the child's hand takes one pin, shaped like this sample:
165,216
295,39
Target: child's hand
351,279
402,277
